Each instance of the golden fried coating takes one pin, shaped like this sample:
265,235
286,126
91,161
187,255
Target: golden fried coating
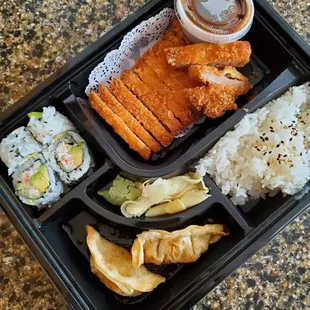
152,100
175,101
173,37
157,58
119,126
129,120
226,76
177,30
235,54
143,114
213,100
170,77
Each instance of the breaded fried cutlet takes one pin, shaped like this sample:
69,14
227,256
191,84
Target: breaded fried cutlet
142,114
173,37
119,126
157,58
169,77
214,100
152,100
235,54
177,30
226,76
128,119
175,101
165,72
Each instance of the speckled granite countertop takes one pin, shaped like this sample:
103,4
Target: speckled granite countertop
37,38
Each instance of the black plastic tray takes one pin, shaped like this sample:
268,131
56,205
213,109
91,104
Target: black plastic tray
57,236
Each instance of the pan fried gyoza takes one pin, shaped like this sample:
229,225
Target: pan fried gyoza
181,246
113,266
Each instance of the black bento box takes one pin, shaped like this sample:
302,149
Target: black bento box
56,236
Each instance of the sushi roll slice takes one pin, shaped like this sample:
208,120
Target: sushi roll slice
69,156
17,148
47,124
36,183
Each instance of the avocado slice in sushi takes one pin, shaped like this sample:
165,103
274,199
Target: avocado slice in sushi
43,170
77,155
20,186
40,180
37,115
60,135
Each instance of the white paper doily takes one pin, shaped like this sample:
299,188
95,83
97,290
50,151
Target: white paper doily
134,45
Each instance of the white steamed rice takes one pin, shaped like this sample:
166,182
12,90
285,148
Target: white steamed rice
267,152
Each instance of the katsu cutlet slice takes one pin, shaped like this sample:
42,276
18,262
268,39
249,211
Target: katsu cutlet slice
214,100
119,126
171,38
175,101
177,30
151,100
156,58
128,119
169,77
226,76
142,114
165,72
235,54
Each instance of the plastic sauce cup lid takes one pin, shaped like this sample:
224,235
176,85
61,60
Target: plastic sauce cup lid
215,21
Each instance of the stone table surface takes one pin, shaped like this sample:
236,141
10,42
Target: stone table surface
37,38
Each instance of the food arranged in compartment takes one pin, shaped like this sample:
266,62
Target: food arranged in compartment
36,183
155,197
180,246
121,191
46,125
235,54
113,266
124,273
156,100
266,153
69,156
17,148
223,86
44,154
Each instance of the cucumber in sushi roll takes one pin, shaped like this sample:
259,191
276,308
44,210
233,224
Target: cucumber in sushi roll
47,124
69,156
17,148
36,183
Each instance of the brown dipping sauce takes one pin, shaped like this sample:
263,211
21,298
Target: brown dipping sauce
218,16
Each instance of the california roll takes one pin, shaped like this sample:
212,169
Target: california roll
69,156
48,124
36,184
17,148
